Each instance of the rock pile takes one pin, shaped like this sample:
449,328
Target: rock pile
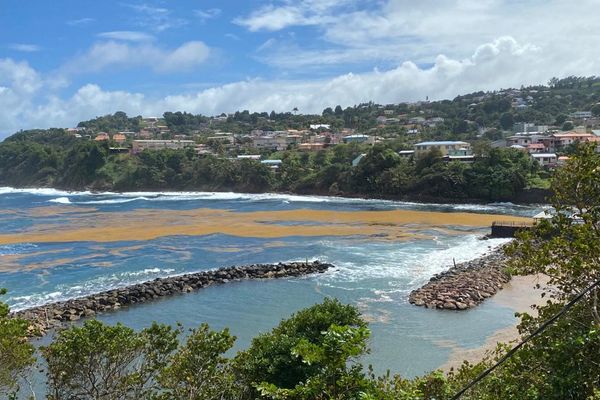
465,285
55,315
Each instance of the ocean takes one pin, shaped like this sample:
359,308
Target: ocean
56,245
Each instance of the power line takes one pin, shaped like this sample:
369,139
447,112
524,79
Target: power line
539,330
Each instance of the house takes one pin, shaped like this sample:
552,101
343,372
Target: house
356,161
536,148
356,138
406,153
320,126
416,120
455,148
223,137
582,114
519,147
545,159
140,145
102,136
119,138
311,146
273,164
145,134
249,157
150,122
381,119
562,140
275,141
466,158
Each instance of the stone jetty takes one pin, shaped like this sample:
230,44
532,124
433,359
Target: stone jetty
465,285
55,315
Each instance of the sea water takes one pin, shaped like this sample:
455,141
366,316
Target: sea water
374,272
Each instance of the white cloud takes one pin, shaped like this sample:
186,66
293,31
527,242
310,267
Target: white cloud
158,19
294,13
131,36
25,47
80,21
205,15
393,31
501,63
118,54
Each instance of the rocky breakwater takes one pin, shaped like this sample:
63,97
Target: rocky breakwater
55,315
465,285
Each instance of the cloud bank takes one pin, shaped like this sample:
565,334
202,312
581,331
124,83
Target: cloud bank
503,62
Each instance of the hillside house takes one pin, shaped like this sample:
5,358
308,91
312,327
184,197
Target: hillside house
140,145
448,148
545,159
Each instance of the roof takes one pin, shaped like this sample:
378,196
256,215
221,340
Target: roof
535,146
541,155
356,136
572,134
442,143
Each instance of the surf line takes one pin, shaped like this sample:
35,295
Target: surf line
55,315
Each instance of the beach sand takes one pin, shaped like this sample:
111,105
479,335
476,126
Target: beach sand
519,294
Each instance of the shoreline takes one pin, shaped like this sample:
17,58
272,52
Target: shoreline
55,315
519,295
527,197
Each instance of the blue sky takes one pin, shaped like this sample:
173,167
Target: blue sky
62,61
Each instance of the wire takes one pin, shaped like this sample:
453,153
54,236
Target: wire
539,330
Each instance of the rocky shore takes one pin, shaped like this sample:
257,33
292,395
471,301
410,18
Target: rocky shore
465,285
55,315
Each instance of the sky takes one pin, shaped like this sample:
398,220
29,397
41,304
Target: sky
63,61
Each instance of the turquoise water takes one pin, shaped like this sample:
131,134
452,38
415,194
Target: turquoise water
375,275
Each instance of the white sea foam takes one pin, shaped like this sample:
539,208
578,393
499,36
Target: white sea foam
60,200
86,197
402,266
20,248
41,191
95,285
113,201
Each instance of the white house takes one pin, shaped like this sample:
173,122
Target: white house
545,159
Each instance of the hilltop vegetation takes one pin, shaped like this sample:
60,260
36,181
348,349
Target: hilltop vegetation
72,160
501,174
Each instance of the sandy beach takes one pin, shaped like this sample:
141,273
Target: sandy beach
519,294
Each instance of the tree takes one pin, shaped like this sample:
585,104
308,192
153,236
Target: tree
270,359
16,353
98,361
506,121
560,119
566,249
198,370
595,110
567,126
339,377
